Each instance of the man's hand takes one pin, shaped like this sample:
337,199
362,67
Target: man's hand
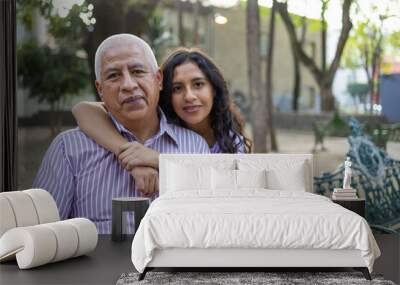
134,154
146,180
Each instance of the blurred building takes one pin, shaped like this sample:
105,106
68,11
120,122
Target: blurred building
226,44
389,91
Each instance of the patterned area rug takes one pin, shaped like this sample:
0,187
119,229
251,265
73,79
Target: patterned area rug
242,278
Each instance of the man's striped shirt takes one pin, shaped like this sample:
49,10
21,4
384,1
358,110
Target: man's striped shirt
83,177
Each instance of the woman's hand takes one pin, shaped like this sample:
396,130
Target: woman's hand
134,154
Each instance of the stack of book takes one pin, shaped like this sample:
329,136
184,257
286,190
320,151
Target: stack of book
344,194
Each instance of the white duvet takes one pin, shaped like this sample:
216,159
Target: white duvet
252,218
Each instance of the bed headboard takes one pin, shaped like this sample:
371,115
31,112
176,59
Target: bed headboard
234,161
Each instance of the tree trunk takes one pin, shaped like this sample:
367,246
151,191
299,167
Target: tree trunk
375,73
268,81
378,79
372,80
296,64
296,85
259,118
323,34
371,85
181,31
196,8
327,99
323,78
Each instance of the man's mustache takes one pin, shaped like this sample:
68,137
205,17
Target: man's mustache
133,98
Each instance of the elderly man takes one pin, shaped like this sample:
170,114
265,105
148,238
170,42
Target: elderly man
82,176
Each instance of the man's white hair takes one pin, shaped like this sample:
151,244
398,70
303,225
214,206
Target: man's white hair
123,39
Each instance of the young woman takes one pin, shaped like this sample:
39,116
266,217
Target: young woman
194,95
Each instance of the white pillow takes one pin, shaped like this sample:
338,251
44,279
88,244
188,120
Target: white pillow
223,179
185,177
285,174
292,180
251,178
226,179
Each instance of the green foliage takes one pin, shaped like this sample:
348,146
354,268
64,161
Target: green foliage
265,13
157,36
315,25
312,24
67,28
356,89
25,10
359,47
394,40
359,91
51,74
366,38
393,50
337,126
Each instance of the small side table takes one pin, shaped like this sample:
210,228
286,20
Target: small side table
355,205
138,205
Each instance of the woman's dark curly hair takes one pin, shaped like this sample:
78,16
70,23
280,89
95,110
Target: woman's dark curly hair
225,119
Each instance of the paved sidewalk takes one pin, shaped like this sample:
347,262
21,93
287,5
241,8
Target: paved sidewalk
337,147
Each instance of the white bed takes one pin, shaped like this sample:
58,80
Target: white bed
230,211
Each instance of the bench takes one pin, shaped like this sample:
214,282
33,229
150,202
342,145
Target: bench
375,176
335,127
